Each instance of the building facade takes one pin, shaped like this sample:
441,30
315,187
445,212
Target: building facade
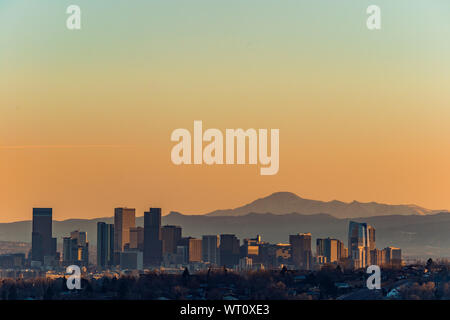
210,249
301,250
105,244
152,237
43,245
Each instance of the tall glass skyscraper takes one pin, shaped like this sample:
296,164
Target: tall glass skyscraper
124,219
105,244
152,237
361,239
42,243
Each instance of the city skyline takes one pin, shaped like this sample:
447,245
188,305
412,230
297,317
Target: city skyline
159,246
416,240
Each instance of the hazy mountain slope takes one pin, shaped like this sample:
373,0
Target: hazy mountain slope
286,202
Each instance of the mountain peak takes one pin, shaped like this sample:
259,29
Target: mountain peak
284,202
283,195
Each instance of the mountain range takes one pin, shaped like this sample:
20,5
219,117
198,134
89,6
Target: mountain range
287,202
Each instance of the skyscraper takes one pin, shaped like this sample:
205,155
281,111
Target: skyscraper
361,240
251,248
137,238
393,256
80,236
170,236
377,257
331,249
301,250
70,250
124,219
76,248
210,249
371,231
105,244
195,250
229,250
152,237
43,245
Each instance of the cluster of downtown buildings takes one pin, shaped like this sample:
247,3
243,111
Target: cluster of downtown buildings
125,246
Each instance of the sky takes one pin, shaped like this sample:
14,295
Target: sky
86,115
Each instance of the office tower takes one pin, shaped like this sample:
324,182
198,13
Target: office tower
393,256
371,231
361,238
251,248
76,249
152,237
182,255
170,236
80,236
210,249
274,255
137,239
43,246
377,257
69,250
195,250
189,250
301,250
282,253
229,250
331,249
124,219
105,244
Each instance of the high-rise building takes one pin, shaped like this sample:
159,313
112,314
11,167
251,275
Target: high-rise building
152,237
371,231
170,236
229,250
105,244
331,249
250,248
195,250
189,250
76,248
393,256
70,250
361,238
210,249
182,255
43,246
80,236
301,250
377,257
124,220
137,239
